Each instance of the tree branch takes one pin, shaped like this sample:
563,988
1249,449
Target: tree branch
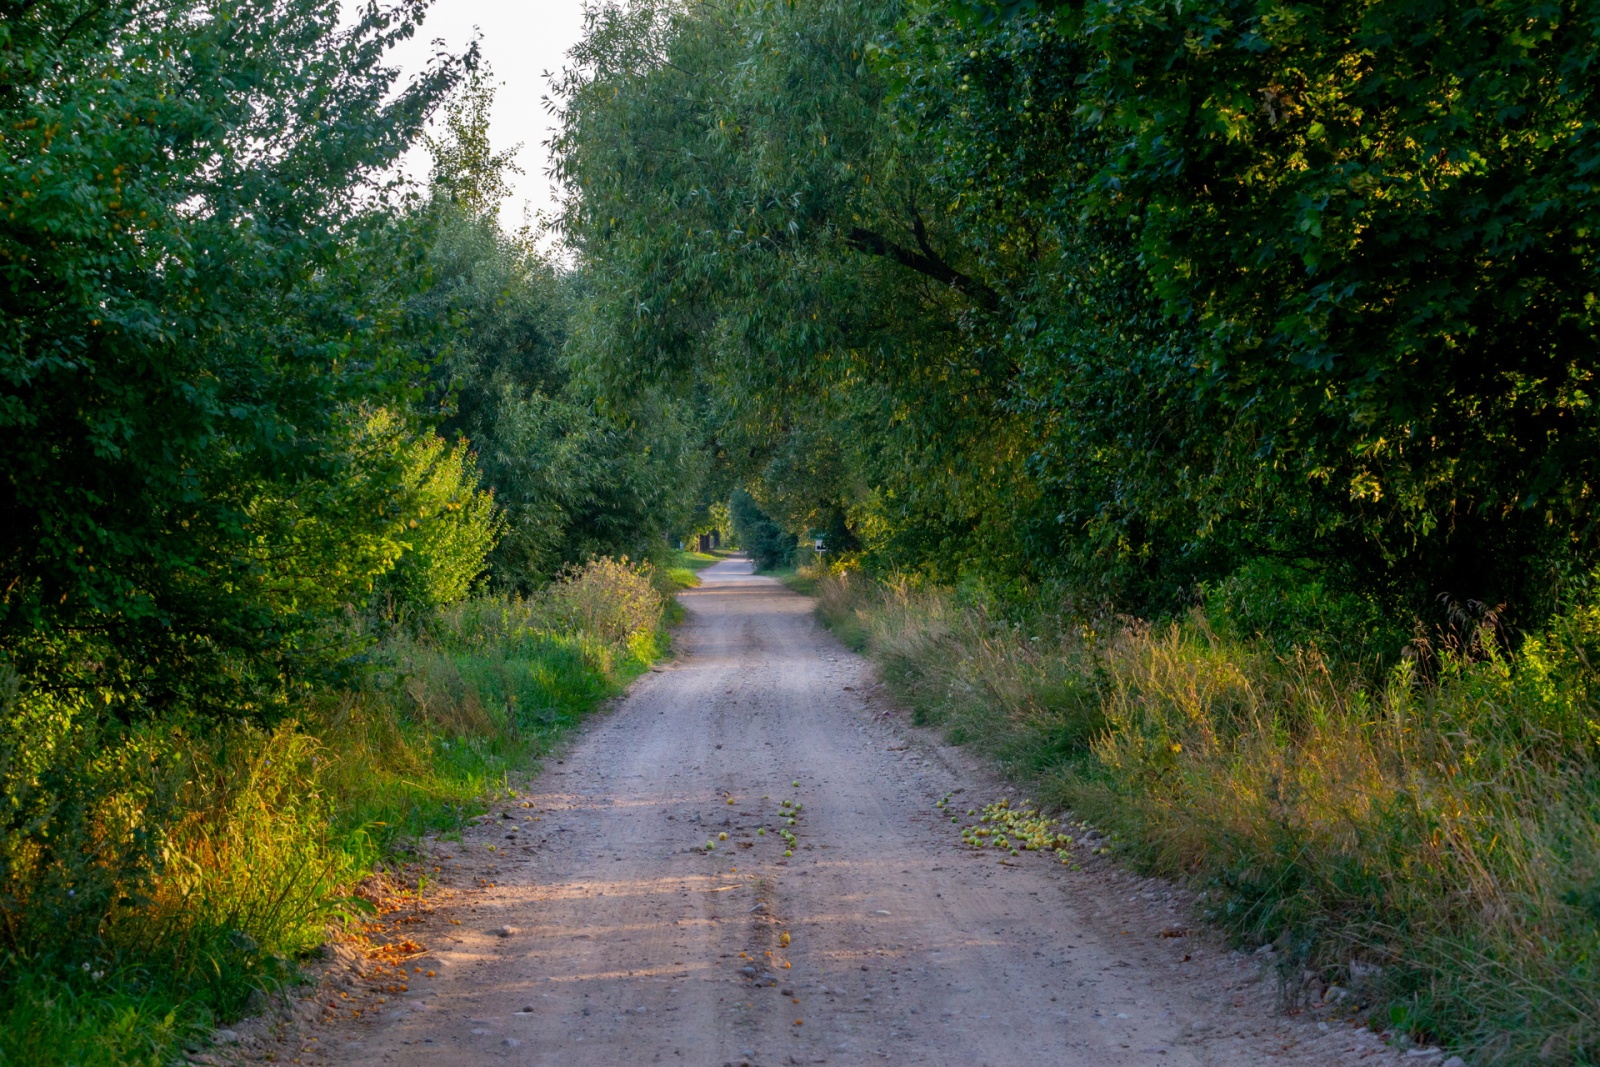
924,261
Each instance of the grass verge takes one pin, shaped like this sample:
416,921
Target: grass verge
682,566
180,871
804,579
1426,850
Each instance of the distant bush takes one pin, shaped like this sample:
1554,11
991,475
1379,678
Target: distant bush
449,528
769,545
610,599
1292,605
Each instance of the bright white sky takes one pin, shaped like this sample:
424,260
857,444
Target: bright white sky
522,40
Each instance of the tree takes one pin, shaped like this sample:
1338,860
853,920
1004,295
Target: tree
467,171
1368,228
574,478
769,545
758,236
200,285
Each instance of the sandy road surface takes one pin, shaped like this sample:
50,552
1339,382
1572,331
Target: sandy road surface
611,937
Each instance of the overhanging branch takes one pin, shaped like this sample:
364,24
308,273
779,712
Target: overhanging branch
924,261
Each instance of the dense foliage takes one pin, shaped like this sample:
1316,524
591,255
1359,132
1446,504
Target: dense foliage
756,237
573,477
197,273
1127,297
1358,241
769,544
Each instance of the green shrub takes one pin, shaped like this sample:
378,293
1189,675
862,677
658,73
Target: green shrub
1292,606
609,599
769,545
87,802
1558,677
449,528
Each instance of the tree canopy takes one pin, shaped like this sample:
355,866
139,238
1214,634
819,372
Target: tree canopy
1132,298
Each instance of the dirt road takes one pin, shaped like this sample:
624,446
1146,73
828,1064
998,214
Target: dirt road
612,936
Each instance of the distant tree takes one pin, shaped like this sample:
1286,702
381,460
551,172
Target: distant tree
573,477
467,171
760,237
769,544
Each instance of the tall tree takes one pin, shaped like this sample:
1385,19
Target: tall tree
756,229
1371,224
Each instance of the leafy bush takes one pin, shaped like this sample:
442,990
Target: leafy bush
201,858
187,321
87,802
609,599
1293,606
1558,677
448,530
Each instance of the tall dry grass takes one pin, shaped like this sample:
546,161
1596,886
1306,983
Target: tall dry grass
1433,847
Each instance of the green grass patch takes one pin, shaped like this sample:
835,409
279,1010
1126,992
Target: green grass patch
803,580
698,561
681,567
120,1019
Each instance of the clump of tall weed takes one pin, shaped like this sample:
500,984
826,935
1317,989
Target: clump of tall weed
1442,834
248,877
163,876
1432,842
608,599
1029,699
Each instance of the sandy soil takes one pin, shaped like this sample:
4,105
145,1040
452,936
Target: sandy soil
600,931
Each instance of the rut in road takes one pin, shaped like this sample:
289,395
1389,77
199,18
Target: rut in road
611,936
